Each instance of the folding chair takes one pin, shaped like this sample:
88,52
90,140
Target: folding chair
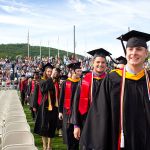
17,137
16,126
15,119
20,147
15,113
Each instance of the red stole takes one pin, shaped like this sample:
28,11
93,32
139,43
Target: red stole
57,90
39,96
22,85
85,94
86,91
67,99
32,86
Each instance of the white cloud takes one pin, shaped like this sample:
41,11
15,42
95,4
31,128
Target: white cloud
78,5
98,22
6,19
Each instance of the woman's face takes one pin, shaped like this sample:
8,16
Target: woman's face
48,72
78,72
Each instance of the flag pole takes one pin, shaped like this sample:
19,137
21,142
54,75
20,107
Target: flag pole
28,44
58,47
49,54
40,49
74,40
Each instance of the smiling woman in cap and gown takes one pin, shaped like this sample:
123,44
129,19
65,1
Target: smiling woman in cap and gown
46,120
119,118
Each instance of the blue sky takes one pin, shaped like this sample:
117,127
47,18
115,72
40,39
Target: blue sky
98,22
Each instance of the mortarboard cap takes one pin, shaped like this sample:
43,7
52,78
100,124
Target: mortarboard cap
99,52
85,71
63,77
36,72
48,65
121,60
74,65
58,70
135,38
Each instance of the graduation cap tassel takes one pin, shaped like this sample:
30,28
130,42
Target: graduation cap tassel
148,84
123,46
113,60
122,139
121,108
91,86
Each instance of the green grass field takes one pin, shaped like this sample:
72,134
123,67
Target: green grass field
57,142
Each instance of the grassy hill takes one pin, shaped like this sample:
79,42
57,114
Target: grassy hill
12,50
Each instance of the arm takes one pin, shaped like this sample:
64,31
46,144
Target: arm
62,96
35,97
75,113
46,85
98,122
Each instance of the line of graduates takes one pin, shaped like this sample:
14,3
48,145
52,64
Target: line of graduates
119,117
99,111
77,94
45,97
42,94
112,113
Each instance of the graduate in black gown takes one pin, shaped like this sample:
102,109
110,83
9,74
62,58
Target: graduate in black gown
30,92
47,114
87,89
67,92
119,118
60,122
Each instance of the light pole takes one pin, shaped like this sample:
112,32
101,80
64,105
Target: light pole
74,40
49,54
28,44
40,49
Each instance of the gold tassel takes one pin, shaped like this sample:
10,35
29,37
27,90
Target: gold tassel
122,139
49,102
56,103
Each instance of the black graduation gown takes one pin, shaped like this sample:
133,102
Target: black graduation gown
68,128
101,130
29,94
35,96
46,121
77,118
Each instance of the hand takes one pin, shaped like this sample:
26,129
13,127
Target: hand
34,109
37,82
77,133
53,73
60,116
